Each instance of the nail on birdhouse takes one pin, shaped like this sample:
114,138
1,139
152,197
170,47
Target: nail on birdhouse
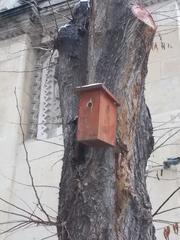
97,116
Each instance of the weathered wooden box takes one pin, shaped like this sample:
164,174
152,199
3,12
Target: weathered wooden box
97,116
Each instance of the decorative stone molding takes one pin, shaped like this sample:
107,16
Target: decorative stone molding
46,116
35,18
23,19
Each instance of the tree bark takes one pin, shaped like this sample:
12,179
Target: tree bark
103,192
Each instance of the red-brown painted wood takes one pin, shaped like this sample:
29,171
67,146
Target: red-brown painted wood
97,116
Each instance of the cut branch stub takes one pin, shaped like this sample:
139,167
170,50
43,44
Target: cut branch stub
144,15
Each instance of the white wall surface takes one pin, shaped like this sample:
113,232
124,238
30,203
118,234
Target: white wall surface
163,99
8,4
17,60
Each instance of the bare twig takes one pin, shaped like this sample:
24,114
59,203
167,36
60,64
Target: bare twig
67,1
14,228
162,136
157,211
163,179
49,236
160,145
47,155
168,210
25,71
40,140
27,158
164,123
55,21
28,185
165,221
15,214
19,208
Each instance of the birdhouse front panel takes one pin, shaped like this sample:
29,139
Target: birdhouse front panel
88,118
97,116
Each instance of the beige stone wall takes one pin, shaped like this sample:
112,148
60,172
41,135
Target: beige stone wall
163,99
17,60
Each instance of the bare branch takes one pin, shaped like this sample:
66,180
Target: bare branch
27,71
27,158
40,140
21,209
160,145
47,155
163,179
157,211
168,210
67,1
55,21
14,228
49,236
28,185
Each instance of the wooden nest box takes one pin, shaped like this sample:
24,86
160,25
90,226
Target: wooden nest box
97,116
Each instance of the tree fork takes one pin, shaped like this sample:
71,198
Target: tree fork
103,191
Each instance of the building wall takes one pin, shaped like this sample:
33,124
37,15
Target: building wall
163,99
18,59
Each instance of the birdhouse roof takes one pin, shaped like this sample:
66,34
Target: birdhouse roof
96,86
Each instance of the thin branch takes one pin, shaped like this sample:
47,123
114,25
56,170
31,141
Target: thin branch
29,49
49,236
168,210
162,129
21,209
56,163
172,135
27,158
40,140
25,71
155,10
162,136
51,209
57,28
22,224
167,17
165,221
14,228
163,179
44,156
67,1
28,185
22,200
164,123
157,211
15,214
66,17
34,123
153,162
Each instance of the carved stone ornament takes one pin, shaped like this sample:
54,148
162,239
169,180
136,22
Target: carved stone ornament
46,117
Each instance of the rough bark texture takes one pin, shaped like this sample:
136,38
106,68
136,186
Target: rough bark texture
103,191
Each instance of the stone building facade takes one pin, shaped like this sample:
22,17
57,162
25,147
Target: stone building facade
27,84
27,67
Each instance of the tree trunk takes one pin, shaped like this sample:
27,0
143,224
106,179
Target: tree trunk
103,189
